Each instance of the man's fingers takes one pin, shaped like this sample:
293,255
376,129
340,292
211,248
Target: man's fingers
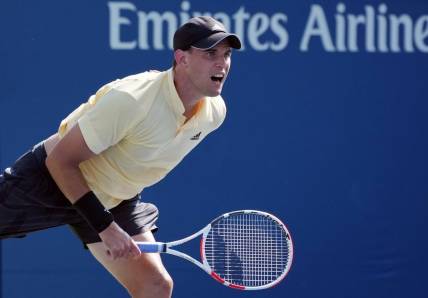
132,250
126,251
118,243
135,251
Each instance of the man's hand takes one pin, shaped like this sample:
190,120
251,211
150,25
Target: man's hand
118,243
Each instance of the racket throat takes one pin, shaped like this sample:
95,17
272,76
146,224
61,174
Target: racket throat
163,248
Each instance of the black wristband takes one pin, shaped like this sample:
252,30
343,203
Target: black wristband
91,209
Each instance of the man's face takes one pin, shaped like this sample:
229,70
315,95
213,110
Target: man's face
208,69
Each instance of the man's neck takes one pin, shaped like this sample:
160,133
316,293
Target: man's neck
189,98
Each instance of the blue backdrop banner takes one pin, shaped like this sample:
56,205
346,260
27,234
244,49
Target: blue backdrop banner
326,128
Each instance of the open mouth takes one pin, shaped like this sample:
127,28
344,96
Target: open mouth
217,78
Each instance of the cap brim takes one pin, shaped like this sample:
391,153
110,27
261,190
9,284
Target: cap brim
214,39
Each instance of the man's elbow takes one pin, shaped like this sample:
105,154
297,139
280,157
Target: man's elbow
55,162
51,163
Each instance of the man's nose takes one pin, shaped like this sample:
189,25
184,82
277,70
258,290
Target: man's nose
221,62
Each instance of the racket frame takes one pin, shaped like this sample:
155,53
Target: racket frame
166,247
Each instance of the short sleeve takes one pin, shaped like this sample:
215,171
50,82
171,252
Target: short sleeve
109,120
219,111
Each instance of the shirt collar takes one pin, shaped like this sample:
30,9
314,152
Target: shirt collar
174,99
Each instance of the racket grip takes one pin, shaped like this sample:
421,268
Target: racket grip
151,247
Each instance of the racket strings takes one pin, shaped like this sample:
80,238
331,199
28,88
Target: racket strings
248,249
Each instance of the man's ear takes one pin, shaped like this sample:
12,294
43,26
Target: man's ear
180,57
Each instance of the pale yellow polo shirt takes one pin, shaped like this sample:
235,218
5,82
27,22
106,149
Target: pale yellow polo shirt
136,127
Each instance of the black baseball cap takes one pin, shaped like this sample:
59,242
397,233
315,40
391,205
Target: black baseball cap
203,33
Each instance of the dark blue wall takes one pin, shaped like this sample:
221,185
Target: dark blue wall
331,138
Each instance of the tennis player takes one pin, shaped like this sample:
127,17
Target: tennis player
127,136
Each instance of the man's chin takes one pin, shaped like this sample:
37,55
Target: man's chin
215,93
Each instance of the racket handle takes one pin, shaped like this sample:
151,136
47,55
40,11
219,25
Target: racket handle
150,247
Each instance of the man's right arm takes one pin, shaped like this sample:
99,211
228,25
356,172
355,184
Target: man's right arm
63,165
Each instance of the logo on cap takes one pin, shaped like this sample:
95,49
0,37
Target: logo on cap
217,27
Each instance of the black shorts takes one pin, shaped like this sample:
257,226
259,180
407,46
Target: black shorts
30,201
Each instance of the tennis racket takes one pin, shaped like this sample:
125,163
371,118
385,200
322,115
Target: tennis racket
245,250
